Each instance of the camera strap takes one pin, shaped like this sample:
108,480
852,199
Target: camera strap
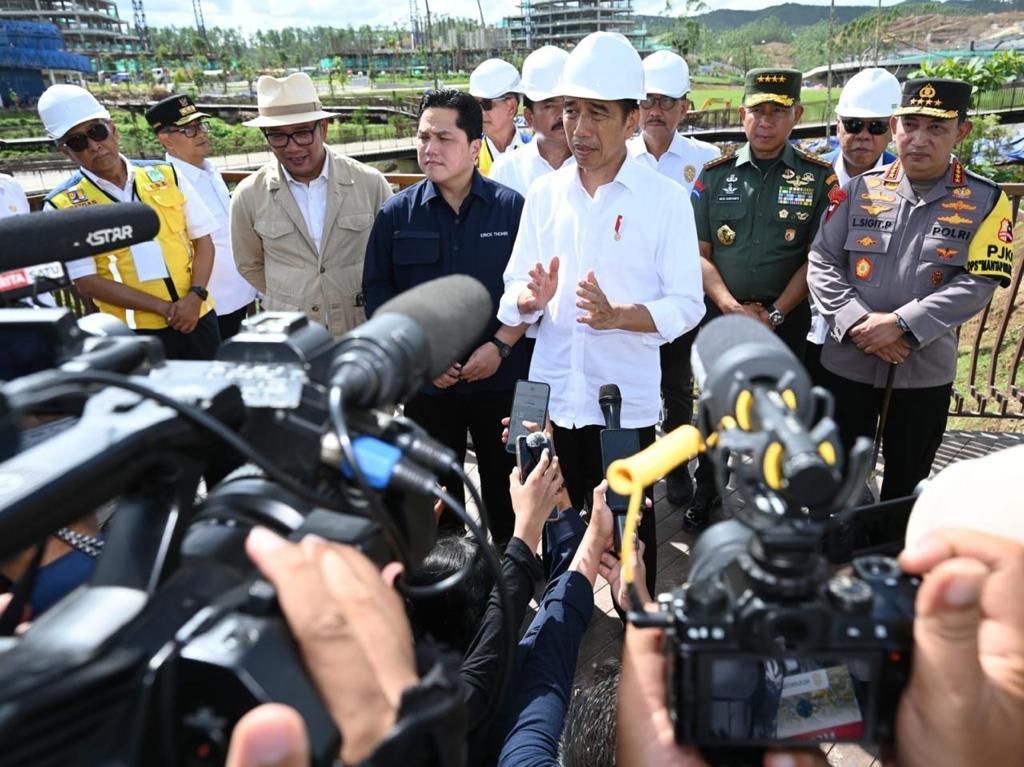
21,592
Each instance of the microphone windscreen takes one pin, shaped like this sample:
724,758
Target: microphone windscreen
68,234
453,312
609,391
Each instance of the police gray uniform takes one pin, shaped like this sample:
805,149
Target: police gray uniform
933,261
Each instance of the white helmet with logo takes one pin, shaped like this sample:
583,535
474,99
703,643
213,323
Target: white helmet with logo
494,78
604,66
62,107
870,93
542,70
667,74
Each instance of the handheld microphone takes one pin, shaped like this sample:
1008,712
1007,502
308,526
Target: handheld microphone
412,339
610,399
66,235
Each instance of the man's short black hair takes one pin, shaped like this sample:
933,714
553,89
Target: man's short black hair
627,106
470,117
527,102
588,738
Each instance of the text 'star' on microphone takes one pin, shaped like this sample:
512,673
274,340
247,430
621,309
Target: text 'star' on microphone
70,234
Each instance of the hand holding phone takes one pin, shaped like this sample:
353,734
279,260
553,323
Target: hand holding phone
529,403
529,448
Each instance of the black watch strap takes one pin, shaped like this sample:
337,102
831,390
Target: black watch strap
503,348
200,291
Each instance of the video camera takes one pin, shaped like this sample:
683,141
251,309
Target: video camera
767,645
175,635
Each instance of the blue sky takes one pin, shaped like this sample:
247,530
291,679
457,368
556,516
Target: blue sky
251,15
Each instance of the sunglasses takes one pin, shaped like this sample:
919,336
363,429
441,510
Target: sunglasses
855,125
488,104
79,142
664,102
300,137
189,131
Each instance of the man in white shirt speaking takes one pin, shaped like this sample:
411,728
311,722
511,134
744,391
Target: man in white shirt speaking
542,107
607,255
183,131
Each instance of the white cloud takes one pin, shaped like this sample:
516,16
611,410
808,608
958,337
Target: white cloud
250,15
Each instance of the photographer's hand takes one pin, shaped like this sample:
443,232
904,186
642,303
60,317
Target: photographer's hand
533,500
270,735
965,700
646,737
351,628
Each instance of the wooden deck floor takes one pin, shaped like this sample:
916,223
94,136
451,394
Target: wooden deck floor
603,639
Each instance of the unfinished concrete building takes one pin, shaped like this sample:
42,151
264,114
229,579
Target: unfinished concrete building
89,27
565,22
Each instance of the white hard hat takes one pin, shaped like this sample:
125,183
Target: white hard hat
666,73
870,93
494,78
62,107
604,66
542,70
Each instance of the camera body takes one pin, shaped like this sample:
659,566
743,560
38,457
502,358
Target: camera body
769,649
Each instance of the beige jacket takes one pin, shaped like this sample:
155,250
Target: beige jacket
274,252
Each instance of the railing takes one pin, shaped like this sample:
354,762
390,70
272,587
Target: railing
991,347
990,350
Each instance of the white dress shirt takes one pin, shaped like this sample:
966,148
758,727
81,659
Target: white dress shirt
12,197
518,170
229,289
682,161
312,201
517,142
653,261
198,219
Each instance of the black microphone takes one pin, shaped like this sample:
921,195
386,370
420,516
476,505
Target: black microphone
411,340
69,234
749,377
610,399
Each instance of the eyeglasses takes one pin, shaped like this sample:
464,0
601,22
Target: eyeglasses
302,137
855,125
79,142
663,102
189,131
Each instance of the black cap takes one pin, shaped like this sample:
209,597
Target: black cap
935,97
780,86
173,110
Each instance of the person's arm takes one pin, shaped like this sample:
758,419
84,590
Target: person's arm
794,293
485,359
101,289
525,268
378,266
184,313
246,245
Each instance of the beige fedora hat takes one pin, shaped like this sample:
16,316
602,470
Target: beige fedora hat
287,101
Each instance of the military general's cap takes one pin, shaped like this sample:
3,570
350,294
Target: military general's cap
780,86
935,97
173,110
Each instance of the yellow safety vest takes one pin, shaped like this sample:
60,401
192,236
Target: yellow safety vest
156,186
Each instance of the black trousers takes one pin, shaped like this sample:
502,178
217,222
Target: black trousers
677,386
579,454
913,429
447,417
793,333
231,323
201,344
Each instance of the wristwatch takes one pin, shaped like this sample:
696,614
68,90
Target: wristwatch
202,292
503,348
902,324
775,316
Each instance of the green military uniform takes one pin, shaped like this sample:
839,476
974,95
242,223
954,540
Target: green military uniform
759,217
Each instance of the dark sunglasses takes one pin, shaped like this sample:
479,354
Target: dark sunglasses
300,137
664,102
854,125
488,104
79,142
189,131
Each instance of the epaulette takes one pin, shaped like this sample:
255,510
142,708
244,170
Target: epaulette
65,185
812,158
718,161
979,177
